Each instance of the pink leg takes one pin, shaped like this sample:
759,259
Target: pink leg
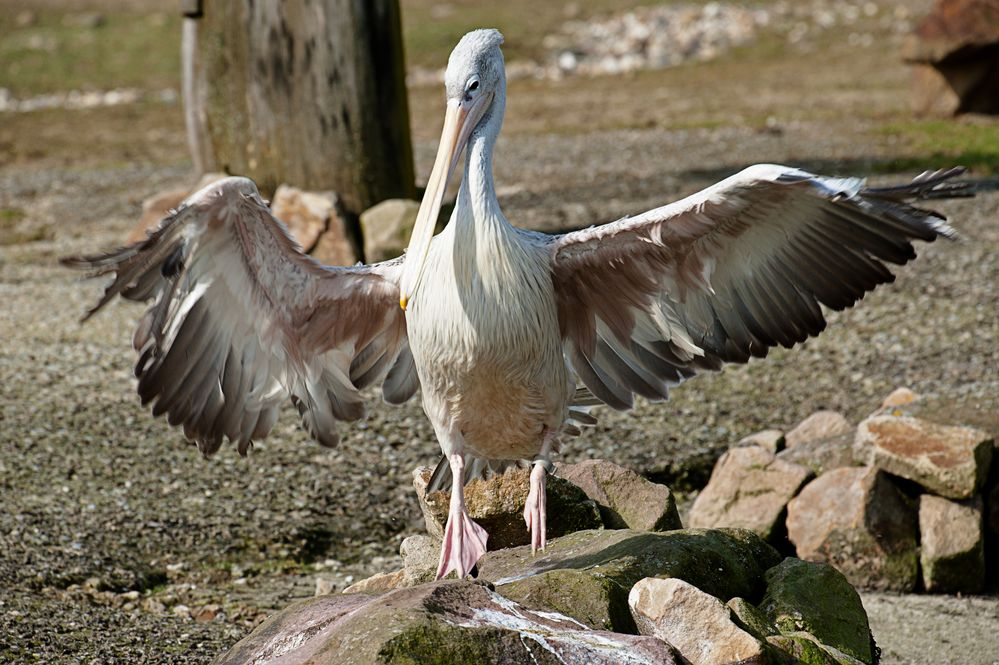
534,509
464,540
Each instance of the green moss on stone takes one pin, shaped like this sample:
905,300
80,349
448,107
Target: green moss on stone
592,599
816,598
441,644
749,617
800,650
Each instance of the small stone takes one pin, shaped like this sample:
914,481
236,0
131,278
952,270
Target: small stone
751,619
324,586
857,520
819,425
953,547
378,583
387,228
749,489
699,626
181,611
420,556
130,595
899,397
818,599
207,613
951,461
497,505
306,214
769,439
152,606
626,499
821,455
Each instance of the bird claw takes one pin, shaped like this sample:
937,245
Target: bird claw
535,509
464,544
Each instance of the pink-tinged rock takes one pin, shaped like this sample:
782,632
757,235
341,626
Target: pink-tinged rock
768,439
857,520
821,455
749,489
626,499
334,247
951,461
305,213
154,209
443,622
953,546
819,425
698,625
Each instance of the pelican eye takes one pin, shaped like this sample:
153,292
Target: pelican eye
472,86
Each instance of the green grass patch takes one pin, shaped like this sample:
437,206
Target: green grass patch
65,50
974,144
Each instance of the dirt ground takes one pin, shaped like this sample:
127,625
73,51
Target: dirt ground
118,543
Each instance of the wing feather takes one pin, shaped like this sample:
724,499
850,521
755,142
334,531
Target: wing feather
729,272
241,320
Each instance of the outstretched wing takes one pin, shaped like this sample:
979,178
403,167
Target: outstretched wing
728,272
241,320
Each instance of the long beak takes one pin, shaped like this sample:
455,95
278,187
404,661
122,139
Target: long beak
459,121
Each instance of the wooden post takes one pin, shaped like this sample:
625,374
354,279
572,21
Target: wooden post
306,92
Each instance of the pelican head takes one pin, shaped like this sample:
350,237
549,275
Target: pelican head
475,77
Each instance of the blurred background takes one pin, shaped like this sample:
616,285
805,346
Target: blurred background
118,543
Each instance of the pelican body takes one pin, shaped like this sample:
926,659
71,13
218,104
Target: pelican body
510,334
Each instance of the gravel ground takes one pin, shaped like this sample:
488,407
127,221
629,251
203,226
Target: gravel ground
115,533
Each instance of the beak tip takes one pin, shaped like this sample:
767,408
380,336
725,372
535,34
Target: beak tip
403,302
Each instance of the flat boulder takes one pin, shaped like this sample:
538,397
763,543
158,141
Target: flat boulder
952,461
953,545
819,425
749,489
857,520
443,622
626,500
722,562
698,625
497,505
387,227
818,599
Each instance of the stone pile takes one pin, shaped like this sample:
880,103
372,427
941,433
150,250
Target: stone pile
897,503
623,584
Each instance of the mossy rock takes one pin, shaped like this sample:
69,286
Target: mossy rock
722,562
817,599
594,600
799,650
751,619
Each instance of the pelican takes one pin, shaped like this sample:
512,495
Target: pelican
510,335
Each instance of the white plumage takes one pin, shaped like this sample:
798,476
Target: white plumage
505,330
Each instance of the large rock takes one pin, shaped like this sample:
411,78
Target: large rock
751,619
953,546
378,583
817,599
315,221
387,228
956,49
722,562
857,520
951,461
626,499
821,455
590,598
749,489
497,505
819,425
444,622
699,626
159,205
